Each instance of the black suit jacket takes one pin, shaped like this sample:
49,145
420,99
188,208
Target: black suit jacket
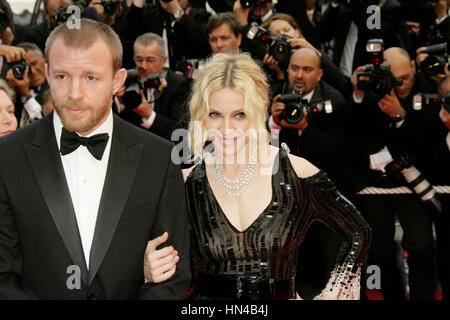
143,196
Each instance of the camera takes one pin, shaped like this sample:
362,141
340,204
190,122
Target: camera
431,100
415,180
134,84
434,64
249,3
189,67
296,105
279,47
62,14
109,7
18,69
381,80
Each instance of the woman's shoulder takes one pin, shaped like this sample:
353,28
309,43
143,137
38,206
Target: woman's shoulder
302,167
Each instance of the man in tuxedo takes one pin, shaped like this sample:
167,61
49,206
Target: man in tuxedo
385,128
76,207
317,136
163,108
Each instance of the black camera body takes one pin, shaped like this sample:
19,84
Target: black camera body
249,3
381,80
109,7
296,106
431,100
434,64
18,69
279,47
189,67
134,84
62,14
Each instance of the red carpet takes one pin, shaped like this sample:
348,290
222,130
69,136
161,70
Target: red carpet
376,295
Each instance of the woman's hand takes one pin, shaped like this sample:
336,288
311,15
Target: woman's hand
160,265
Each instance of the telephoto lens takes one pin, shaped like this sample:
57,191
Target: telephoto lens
416,182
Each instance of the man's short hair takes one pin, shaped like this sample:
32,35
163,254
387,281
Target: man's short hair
85,36
31,46
148,38
224,18
4,86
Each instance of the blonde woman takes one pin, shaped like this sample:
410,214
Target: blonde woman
250,204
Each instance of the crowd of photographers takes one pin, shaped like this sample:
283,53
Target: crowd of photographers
361,88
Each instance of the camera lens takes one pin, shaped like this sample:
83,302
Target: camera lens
433,65
292,113
110,8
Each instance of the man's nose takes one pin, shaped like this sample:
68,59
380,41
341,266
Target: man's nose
75,91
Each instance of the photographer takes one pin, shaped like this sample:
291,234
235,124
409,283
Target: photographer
385,128
163,106
55,12
317,136
27,78
180,25
347,22
284,24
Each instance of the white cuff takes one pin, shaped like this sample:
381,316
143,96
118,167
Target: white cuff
438,21
147,123
356,100
399,124
273,126
33,109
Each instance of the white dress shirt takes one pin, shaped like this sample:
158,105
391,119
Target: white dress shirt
85,177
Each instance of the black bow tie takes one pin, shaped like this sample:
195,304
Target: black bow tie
96,144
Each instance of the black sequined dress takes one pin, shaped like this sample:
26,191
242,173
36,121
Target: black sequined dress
260,262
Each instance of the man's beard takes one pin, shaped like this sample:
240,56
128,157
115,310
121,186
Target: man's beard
80,123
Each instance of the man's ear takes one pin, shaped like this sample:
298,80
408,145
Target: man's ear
46,72
413,65
119,79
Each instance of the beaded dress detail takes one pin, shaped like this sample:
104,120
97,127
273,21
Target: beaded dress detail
268,248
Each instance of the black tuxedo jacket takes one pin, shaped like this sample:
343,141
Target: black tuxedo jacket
170,107
143,196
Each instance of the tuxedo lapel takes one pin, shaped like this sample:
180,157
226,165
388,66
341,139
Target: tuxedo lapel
44,159
122,167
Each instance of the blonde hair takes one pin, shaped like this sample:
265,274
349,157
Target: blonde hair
234,71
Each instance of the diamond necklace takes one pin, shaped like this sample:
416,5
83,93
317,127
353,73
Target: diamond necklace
235,188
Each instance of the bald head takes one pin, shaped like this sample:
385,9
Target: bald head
303,52
401,68
304,70
397,54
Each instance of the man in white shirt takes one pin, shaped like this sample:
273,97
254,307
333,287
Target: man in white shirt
82,191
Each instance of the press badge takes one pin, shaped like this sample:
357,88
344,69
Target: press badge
380,159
